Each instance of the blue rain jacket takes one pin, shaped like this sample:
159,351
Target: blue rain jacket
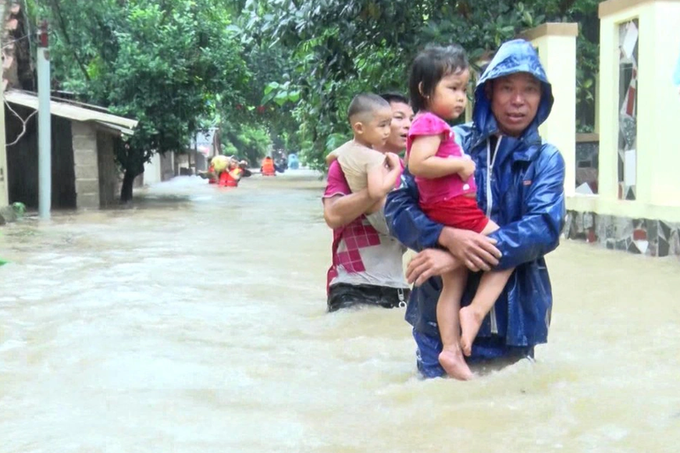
523,193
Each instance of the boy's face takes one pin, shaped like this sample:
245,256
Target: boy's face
375,128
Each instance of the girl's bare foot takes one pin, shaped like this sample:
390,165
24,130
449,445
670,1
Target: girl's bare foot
453,362
470,322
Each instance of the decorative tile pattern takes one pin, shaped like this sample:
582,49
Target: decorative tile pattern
641,236
587,161
628,69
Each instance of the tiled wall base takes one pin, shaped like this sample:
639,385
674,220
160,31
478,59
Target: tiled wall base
641,236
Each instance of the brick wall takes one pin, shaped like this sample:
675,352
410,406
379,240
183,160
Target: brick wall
86,165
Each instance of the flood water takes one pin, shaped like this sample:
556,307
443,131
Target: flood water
195,322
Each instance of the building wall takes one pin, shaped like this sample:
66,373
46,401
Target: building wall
658,114
556,46
86,165
201,162
587,148
167,166
22,161
152,170
109,175
640,236
181,164
663,101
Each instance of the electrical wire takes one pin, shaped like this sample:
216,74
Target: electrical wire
23,123
15,41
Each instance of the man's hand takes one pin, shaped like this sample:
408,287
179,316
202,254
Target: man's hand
428,263
468,169
475,251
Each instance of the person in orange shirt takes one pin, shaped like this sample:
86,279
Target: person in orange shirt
267,168
232,175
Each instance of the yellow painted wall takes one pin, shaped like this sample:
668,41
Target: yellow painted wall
558,56
623,208
658,116
662,168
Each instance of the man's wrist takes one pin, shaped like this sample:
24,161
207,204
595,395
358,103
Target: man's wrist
453,264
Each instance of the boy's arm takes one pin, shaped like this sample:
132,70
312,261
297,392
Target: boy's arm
381,180
423,162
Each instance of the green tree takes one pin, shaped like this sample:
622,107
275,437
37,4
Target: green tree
250,142
263,106
341,47
168,63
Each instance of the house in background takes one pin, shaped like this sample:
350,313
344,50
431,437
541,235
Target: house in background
84,172
203,147
160,168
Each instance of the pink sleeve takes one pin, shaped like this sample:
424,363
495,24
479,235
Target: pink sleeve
429,124
337,184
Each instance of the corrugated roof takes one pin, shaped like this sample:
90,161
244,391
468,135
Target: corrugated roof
72,112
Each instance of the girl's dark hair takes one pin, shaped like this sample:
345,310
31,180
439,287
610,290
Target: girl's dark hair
429,67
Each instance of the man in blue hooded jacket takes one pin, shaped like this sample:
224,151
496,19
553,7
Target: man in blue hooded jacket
520,183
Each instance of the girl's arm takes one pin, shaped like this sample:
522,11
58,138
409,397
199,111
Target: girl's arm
423,162
333,155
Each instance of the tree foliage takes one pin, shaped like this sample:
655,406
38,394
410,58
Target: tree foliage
249,142
273,73
168,63
342,47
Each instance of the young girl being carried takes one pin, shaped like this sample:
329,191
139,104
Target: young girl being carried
445,178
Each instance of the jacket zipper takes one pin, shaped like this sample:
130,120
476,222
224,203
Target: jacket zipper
489,205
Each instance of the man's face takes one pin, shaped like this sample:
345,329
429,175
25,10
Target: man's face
402,117
514,102
377,130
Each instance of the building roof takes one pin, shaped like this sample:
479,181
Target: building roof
65,109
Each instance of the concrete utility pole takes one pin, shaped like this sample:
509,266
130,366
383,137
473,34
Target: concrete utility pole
44,125
4,184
